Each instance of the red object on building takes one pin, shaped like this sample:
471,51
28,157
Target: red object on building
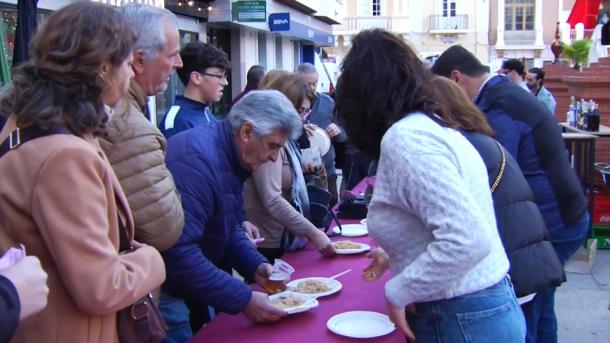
584,11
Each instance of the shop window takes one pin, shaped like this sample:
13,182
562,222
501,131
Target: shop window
8,25
174,86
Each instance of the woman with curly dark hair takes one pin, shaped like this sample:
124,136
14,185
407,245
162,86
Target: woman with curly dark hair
432,210
59,196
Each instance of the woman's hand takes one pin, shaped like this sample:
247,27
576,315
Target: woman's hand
379,264
399,318
310,128
322,243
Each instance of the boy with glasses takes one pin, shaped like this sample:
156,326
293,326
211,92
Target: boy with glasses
204,77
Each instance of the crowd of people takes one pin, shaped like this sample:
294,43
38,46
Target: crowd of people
475,207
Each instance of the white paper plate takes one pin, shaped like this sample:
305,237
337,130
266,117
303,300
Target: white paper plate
310,301
333,284
360,324
363,221
320,139
363,248
352,230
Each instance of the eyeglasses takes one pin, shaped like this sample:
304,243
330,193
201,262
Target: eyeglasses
304,112
220,77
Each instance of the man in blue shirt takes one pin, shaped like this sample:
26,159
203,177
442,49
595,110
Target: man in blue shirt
204,77
535,83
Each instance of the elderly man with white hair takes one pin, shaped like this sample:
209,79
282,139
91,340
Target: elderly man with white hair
210,164
134,146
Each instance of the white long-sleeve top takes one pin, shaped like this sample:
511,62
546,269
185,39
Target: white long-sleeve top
433,214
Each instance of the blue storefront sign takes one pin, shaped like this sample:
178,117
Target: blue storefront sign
279,22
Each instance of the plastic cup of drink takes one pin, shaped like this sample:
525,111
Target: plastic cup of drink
276,283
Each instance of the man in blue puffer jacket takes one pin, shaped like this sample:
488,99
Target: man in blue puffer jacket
526,129
209,164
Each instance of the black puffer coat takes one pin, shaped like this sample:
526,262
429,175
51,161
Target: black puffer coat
534,263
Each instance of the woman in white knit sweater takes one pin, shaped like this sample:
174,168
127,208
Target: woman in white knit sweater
432,210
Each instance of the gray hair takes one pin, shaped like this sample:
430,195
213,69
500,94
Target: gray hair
148,22
267,111
306,68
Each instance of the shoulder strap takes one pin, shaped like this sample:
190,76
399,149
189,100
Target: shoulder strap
496,182
20,136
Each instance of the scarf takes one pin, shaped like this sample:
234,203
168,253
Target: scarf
300,199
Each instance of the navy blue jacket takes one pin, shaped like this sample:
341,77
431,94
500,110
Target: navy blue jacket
10,309
209,176
525,128
534,264
322,114
185,114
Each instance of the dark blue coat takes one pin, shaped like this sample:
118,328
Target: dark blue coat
185,114
524,127
534,264
209,176
9,309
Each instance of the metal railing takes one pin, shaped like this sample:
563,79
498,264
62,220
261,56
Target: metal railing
587,34
518,37
396,24
448,24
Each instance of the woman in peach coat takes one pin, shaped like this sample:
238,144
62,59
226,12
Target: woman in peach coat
59,196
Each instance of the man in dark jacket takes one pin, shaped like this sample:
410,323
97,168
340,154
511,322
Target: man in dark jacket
322,115
210,164
204,77
532,137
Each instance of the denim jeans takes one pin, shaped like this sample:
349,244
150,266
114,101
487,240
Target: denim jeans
488,315
176,316
540,312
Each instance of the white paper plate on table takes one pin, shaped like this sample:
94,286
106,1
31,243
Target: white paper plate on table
363,247
360,324
363,221
320,140
333,286
352,230
309,301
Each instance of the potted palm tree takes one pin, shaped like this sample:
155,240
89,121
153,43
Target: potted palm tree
577,52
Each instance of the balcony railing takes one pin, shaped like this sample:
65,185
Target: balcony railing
440,24
587,34
355,24
519,37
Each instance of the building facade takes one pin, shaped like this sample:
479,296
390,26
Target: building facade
429,26
283,34
524,29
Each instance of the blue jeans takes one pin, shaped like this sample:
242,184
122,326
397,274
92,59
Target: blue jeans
488,315
176,316
540,312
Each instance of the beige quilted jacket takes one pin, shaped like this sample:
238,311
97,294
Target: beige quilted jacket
136,151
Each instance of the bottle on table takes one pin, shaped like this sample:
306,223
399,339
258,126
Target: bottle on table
593,122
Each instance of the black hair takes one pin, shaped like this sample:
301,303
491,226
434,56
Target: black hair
514,64
383,80
198,56
539,74
255,74
458,58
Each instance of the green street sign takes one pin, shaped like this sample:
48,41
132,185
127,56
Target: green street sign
249,10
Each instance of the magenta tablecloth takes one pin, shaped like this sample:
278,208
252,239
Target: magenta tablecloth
310,326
